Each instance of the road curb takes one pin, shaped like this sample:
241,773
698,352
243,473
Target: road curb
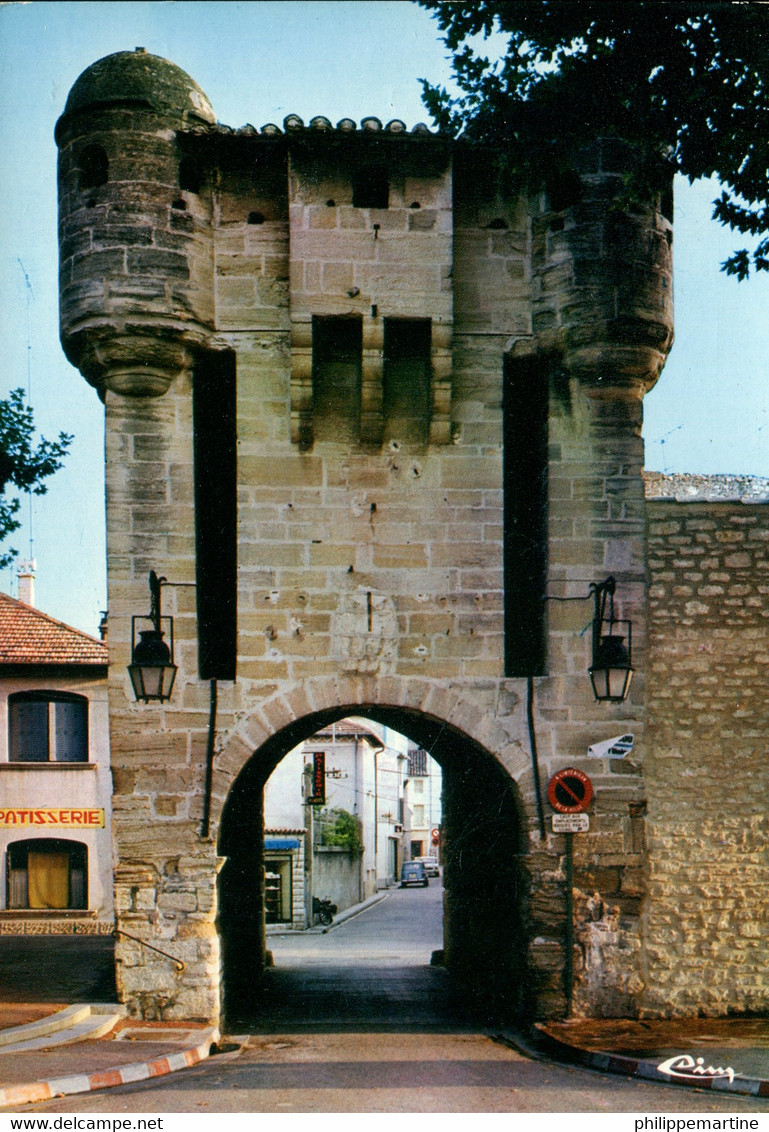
355,910
642,1068
108,1078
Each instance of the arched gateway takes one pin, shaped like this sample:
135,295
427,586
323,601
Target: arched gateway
373,423
483,852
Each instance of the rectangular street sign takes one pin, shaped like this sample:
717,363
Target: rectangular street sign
570,823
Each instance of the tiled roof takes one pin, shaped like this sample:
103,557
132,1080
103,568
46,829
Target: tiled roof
294,125
28,636
346,729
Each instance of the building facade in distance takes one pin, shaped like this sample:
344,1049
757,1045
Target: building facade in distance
333,813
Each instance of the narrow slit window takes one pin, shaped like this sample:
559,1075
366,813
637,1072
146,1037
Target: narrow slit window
525,483
406,379
190,175
337,351
216,518
93,167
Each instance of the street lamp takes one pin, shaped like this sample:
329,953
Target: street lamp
152,669
611,670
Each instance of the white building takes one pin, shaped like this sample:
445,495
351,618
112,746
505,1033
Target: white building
423,800
55,784
354,767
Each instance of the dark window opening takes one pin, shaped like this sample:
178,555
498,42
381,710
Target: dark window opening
216,517
525,433
666,202
256,218
93,167
47,727
406,378
190,175
337,350
371,187
47,873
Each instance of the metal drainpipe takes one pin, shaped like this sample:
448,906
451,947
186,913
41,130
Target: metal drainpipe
569,968
534,757
206,823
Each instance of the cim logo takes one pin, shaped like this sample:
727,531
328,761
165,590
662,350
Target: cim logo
683,1065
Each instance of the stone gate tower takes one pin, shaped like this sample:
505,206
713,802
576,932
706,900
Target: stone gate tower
372,415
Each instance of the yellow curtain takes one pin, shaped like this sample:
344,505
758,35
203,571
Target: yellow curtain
48,879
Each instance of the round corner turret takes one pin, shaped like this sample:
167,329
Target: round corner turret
605,286
134,224
140,79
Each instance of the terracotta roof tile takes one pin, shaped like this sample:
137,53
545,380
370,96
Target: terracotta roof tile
28,636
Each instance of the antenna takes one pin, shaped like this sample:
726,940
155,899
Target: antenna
30,299
661,441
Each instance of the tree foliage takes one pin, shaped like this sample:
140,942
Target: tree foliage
23,465
342,829
684,83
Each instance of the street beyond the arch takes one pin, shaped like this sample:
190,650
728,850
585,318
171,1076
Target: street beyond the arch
369,972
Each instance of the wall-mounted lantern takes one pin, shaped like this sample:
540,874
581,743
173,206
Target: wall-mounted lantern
611,669
152,669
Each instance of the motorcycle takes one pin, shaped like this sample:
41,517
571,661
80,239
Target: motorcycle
324,910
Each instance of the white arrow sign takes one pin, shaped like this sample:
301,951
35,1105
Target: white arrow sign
615,748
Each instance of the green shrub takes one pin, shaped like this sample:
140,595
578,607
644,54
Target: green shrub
338,827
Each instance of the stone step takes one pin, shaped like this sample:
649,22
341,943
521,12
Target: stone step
73,1024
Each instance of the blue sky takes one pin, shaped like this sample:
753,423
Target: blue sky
258,61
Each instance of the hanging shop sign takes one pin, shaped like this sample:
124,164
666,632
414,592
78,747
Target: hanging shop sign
318,795
569,791
67,819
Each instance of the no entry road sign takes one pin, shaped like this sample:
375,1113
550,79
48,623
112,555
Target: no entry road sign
569,791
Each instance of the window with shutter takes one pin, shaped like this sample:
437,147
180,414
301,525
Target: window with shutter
47,727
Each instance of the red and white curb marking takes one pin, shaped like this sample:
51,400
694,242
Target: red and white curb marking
108,1078
653,1071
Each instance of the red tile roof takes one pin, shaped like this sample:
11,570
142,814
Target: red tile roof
28,636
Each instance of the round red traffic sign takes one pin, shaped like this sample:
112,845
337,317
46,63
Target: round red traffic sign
569,791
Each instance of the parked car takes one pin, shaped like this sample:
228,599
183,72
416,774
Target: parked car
431,866
413,872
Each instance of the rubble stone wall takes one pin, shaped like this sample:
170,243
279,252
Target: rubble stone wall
707,768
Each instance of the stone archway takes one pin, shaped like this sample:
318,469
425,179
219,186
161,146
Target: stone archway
485,876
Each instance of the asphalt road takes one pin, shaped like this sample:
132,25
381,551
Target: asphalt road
57,968
361,1023
370,972
405,1073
